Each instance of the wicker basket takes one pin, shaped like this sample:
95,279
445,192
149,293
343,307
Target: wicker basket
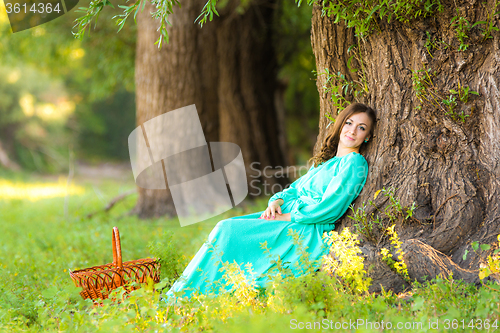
98,281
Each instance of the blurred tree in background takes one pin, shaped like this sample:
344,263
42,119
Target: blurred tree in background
300,94
33,110
105,133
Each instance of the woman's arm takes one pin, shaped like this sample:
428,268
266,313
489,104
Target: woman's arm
340,193
288,193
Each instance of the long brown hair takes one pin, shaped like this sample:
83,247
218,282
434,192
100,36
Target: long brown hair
330,144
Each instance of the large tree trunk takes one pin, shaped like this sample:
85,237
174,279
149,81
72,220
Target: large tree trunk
247,87
449,168
165,80
227,69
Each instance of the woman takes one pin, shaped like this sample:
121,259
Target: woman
310,206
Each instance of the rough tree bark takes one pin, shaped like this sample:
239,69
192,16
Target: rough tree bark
449,168
227,69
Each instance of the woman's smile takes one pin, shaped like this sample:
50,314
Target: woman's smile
355,130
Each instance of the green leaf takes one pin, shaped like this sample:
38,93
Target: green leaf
485,247
349,65
136,11
478,22
373,11
475,246
465,255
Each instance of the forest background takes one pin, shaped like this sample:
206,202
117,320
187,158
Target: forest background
61,94
67,103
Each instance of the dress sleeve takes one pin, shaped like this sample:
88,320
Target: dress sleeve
289,193
340,193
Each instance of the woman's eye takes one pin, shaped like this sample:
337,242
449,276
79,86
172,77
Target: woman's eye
362,128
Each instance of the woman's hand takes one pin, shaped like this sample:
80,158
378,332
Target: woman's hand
273,210
283,217
279,217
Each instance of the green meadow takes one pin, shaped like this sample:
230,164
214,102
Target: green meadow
46,232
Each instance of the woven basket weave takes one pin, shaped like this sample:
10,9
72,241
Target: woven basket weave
98,281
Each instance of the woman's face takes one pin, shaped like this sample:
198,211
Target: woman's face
356,129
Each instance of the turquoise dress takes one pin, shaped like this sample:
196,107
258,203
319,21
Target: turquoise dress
316,200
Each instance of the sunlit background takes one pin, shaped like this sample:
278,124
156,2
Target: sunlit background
58,98
38,191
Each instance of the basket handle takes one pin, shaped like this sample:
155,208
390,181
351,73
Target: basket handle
117,249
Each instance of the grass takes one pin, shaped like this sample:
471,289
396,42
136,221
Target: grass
39,243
